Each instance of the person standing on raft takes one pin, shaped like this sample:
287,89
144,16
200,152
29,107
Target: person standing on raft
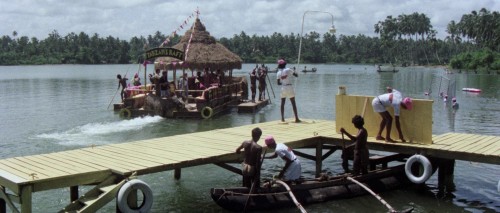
122,82
284,78
392,98
253,82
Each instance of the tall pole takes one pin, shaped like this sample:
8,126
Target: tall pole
332,30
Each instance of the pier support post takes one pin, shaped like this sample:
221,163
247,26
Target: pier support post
3,206
26,199
177,173
445,175
73,193
319,155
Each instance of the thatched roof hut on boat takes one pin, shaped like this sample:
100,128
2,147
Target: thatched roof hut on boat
202,52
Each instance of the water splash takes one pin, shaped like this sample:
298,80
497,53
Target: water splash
98,133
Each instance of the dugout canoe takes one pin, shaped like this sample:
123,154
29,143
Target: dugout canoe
309,191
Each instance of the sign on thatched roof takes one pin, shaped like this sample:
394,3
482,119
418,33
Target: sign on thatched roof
203,52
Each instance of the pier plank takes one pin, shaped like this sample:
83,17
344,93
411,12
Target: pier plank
144,154
92,159
21,171
478,144
470,143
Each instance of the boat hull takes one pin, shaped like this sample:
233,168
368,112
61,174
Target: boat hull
234,199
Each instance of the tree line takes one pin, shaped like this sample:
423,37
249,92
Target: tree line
408,39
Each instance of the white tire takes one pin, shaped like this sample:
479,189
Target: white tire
129,187
426,165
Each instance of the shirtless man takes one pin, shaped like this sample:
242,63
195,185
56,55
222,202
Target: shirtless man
251,163
361,153
123,83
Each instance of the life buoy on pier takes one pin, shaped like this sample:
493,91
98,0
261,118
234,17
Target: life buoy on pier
131,187
426,164
125,113
207,112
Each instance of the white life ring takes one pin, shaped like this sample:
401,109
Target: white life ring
426,165
207,112
129,187
125,113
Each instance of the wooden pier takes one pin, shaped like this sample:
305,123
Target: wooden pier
109,166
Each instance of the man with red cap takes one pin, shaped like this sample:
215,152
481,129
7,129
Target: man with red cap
394,99
292,169
284,78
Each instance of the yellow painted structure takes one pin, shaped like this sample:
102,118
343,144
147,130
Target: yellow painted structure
416,124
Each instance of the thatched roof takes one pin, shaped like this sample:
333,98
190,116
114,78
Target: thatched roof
204,52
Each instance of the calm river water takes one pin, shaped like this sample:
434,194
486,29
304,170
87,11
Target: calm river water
53,108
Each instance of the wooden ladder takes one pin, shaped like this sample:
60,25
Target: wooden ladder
97,197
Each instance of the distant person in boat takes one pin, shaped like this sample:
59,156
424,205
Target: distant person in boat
251,163
284,78
155,80
253,82
392,98
164,84
361,153
454,104
292,169
220,77
199,81
183,85
123,83
136,81
262,83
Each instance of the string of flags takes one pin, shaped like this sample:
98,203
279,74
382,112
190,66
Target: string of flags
181,27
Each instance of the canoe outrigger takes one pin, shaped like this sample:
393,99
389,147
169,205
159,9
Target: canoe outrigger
200,53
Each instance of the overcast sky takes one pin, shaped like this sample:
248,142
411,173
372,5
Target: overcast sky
222,18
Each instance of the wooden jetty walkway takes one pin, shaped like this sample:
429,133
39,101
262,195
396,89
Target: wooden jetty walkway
109,166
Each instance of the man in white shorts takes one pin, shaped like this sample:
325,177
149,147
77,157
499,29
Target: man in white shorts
292,169
284,78
394,99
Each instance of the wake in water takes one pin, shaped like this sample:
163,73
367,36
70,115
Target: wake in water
99,133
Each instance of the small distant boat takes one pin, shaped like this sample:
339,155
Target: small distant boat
471,90
311,70
381,68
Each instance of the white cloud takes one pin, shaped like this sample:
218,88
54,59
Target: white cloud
127,18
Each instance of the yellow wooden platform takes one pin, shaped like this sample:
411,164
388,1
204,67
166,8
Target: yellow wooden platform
27,174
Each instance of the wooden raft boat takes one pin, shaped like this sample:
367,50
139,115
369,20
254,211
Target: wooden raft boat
309,191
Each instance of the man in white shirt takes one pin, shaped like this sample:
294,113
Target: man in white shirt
394,99
284,78
292,169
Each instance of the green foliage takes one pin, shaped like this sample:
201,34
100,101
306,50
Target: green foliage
472,43
484,59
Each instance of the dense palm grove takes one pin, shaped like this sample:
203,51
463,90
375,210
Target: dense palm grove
472,43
